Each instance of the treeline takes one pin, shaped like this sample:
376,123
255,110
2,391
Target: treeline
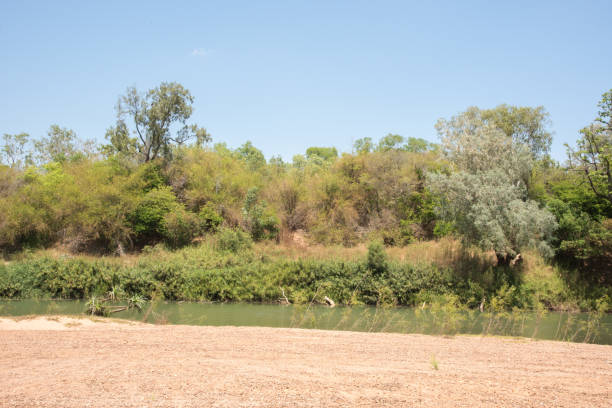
489,182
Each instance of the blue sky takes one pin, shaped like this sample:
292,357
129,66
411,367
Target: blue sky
292,74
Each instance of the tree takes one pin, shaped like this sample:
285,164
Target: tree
486,197
418,145
593,155
13,151
524,125
159,121
491,213
476,146
325,153
254,158
363,145
390,142
60,145
259,220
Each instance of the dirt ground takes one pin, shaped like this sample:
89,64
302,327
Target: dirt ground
66,362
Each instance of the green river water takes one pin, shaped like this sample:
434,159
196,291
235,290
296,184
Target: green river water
562,326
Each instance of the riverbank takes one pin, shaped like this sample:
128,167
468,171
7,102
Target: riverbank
101,364
442,273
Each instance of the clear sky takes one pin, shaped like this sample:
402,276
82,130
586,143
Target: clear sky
292,74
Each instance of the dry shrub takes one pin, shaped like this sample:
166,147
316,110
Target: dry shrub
445,253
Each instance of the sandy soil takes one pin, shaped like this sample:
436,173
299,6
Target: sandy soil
66,362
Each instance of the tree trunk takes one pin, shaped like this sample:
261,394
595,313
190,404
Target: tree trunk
503,259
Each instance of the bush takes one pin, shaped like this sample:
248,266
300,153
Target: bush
211,220
147,219
181,227
233,240
377,258
259,219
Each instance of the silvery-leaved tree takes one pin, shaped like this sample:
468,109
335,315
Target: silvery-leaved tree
522,124
149,125
485,195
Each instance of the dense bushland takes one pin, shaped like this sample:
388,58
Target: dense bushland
489,184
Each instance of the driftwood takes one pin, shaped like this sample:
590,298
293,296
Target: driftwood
330,302
284,298
115,309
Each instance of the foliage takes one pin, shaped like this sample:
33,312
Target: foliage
594,151
154,114
489,181
148,218
233,240
227,268
251,155
377,259
181,227
13,151
210,218
261,223
486,198
59,145
490,213
522,125
325,153
583,242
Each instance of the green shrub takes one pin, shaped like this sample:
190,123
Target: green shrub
259,219
233,240
377,258
147,219
181,227
211,220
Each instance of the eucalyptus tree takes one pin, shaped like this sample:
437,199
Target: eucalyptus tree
150,124
60,145
14,150
485,194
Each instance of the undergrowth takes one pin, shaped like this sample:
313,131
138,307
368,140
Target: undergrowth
233,270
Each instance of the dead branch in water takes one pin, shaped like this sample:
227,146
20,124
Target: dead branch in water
330,302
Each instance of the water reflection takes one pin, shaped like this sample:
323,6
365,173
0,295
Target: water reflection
563,326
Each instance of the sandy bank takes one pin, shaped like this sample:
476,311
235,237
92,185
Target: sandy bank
72,362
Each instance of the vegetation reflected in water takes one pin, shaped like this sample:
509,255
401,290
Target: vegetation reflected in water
437,318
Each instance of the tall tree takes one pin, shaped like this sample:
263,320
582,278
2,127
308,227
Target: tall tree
593,155
14,151
159,121
486,196
59,145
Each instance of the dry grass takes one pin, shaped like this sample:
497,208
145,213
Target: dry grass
446,252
